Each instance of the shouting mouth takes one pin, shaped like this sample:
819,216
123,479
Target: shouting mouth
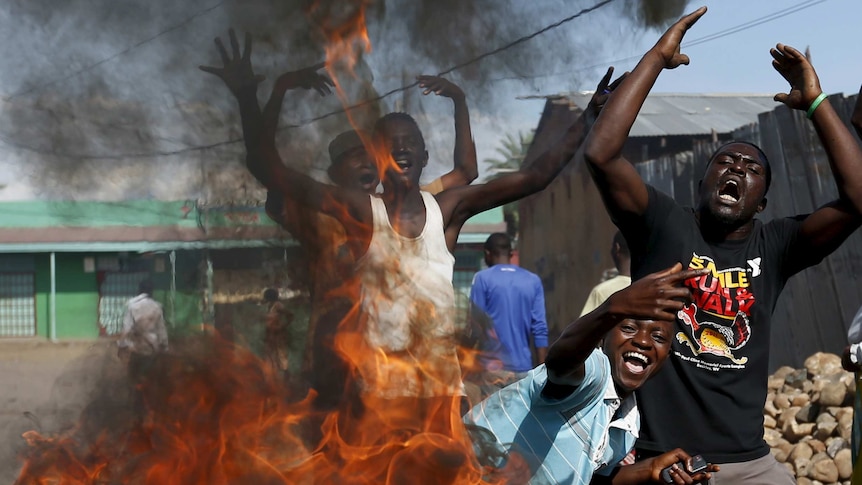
367,178
729,192
635,362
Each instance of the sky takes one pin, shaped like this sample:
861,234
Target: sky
738,62
139,60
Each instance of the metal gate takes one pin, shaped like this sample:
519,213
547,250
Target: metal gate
115,290
17,304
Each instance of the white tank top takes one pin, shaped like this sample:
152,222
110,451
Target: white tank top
408,298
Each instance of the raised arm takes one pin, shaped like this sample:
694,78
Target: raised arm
620,185
654,297
460,203
287,211
827,227
465,169
856,117
262,157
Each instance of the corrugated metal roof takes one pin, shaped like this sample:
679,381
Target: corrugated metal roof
669,114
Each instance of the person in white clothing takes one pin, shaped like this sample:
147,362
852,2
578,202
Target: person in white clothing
144,329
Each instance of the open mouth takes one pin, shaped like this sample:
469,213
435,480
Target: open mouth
635,362
729,192
367,178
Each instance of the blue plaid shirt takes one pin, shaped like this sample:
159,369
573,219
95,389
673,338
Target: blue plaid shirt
564,441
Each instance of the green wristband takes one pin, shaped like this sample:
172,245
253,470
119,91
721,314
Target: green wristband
815,104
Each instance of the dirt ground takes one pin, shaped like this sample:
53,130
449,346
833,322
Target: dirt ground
44,386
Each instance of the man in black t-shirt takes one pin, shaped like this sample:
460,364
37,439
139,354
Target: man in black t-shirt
709,397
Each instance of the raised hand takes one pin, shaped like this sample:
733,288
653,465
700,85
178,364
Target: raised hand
657,296
306,78
236,71
603,92
439,86
668,45
795,68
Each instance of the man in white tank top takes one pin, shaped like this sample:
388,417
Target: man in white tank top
402,241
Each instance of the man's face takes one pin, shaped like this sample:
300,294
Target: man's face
734,185
355,170
636,350
403,141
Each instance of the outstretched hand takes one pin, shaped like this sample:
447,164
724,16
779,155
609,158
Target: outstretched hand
307,78
603,91
668,45
657,296
798,71
439,86
236,72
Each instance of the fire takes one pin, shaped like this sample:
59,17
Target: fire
213,412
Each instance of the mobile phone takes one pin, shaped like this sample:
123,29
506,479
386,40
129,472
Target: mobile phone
698,464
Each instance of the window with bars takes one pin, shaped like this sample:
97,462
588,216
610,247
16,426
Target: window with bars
115,290
17,304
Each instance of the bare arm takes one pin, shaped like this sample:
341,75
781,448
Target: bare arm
461,203
621,187
262,157
654,297
465,169
826,228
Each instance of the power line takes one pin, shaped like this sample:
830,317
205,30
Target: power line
717,35
305,122
96,64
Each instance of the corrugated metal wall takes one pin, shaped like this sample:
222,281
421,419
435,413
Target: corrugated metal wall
566,233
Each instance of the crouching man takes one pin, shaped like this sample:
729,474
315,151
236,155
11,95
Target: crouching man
573,419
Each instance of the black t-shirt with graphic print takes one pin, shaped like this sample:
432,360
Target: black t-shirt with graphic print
708,398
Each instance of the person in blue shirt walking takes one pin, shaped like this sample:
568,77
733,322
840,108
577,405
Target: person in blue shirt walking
514,300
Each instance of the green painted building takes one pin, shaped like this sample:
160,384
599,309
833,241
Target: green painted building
68,268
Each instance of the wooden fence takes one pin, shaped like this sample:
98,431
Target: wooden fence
566,233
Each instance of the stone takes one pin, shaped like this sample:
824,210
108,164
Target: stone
835,445
785,445
781,401
779,454
787,416
770,423
824,430
796,378
843,464
772,436
769,409
804,481
826,418
845,422
807,413
822,363
816,445
801,466
774,383
794,432
801,450
823,471
833,394
783,371
801,400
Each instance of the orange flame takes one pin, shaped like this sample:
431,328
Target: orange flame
212,412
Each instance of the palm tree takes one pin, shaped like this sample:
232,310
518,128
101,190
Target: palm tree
512,151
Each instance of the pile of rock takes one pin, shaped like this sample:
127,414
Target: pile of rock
808,417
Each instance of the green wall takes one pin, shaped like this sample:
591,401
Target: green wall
77,298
